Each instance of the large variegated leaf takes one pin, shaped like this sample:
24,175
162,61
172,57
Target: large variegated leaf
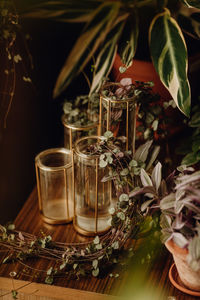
87,44
169,55
107,54
63,11
192,3
129,46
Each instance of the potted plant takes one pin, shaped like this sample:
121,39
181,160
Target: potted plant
178,201
109,23
181,227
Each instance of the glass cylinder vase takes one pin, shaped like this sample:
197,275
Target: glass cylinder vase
54,184
118,114
73,132
92,197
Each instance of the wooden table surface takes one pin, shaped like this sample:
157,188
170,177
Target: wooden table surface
28,282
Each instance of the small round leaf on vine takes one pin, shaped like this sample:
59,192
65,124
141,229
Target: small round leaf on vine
123,197
108,134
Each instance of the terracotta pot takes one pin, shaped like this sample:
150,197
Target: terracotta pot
142,71
190,278
145,71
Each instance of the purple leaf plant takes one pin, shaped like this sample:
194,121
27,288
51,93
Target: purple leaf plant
178,200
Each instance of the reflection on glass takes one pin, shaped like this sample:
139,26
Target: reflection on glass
93,198
54,183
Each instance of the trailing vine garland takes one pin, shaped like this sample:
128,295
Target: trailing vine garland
81,259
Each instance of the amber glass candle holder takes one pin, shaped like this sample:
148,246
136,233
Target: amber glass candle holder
54,184
118,115
73,132
92,197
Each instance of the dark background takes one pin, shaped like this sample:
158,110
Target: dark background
33,123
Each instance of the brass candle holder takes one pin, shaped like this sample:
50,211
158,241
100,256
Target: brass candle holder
118,115
72,132
92,197
54,185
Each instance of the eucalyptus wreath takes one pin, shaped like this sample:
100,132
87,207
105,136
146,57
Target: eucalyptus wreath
127,222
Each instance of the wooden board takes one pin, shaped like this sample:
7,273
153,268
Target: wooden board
30,221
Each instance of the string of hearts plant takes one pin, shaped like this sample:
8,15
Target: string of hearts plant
75,260
151,115
83,111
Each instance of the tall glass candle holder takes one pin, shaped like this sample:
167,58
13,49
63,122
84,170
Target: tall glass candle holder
54,184
92,197
73,132
118,114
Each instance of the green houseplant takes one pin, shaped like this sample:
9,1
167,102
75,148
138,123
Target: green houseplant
110,22
177,199
180,227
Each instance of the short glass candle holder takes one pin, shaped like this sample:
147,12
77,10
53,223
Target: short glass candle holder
54,184
73,132
118,114
92,197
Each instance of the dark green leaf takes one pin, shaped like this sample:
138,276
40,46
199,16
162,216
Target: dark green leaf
189,25
106,55
169,55
190,159
195,120
87,44
128,49
185,146
192,3
63,11
198,156
196,145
